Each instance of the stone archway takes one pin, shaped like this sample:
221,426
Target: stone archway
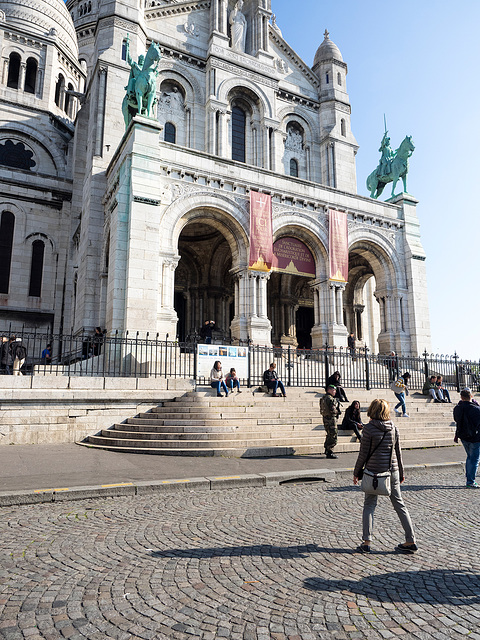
204,285
290,295
375,299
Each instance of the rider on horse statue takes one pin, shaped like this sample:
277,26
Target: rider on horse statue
388,154
141,88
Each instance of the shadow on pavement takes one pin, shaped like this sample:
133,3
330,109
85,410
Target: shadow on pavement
437,586
266,550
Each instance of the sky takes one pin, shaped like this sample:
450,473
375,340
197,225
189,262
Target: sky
417,63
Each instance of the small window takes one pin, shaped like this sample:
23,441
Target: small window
343,129
124,49
13,71
238,134
339,79
294,168
36,269
59,89
327,78
7,225
170,134
31,75
68,100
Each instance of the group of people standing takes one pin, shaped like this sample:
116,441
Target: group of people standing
12,355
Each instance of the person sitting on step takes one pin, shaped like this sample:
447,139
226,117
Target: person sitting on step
441,387
232,381
430,389
334,381
216,379
352,419
272,381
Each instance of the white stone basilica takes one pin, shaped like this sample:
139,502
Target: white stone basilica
147,229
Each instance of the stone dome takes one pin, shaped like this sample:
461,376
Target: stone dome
327,50
41,17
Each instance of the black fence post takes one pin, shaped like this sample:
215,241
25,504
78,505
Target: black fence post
195,364
367,370
249,365
457,373
289,366
425,363
327,371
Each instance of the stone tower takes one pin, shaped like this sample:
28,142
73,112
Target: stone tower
41,78
339,146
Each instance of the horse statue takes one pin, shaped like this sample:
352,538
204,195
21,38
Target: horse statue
142,86
392,170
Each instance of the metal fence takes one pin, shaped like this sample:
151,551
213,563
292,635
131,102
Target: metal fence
126,355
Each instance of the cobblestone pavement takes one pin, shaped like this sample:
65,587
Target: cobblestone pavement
250,564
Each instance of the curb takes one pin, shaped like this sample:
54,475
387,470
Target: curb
122,489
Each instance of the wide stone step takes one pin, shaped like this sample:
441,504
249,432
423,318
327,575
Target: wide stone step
245,435
250,452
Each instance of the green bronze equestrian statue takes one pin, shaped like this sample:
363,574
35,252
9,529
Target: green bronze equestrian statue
393,165
142,86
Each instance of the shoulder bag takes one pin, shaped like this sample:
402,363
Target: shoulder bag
378,484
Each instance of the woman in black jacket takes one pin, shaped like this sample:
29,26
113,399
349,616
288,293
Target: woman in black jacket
352,419
334,380
379,452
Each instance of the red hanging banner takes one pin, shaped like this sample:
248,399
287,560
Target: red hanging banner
261,236
292,256
338,246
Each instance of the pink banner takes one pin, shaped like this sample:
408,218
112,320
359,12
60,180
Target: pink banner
261,237
338,246
292,256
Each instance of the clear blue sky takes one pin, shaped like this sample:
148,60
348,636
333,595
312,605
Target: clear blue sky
417,62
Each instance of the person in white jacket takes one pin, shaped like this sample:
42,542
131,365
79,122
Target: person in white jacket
216,379
400,389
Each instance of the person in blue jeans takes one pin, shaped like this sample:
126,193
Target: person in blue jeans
216,379
232,381
467,416
400,389
272,381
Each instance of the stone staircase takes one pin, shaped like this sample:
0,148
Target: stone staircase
258,425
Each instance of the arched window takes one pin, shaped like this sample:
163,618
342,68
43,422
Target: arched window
124,49
327,78
343,129
31,75
36,269
13,71
68,101
339,79
7,225
170,134
59,88
294,168
238,134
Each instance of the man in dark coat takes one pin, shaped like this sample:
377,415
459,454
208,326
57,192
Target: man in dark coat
467,416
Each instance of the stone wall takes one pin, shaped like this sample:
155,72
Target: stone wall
50,410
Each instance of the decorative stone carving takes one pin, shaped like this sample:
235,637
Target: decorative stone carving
238,25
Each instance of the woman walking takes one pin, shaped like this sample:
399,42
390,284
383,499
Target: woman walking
380,452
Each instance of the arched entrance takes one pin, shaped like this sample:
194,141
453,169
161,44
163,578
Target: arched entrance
290,296
375,300
204,286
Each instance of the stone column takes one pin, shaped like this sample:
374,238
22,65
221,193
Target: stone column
239,327
211,128
102,85
5,72
259,326
21,79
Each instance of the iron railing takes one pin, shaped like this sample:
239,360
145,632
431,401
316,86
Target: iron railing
127,355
